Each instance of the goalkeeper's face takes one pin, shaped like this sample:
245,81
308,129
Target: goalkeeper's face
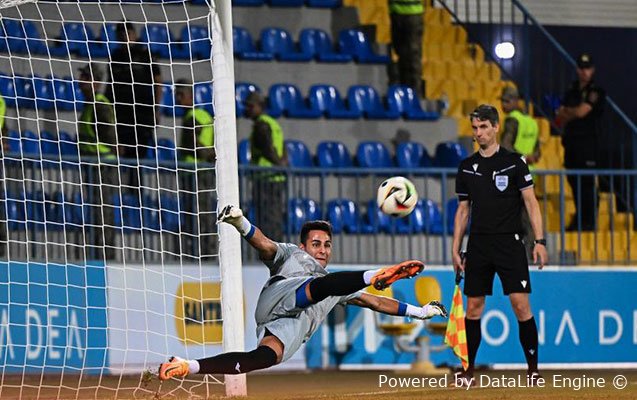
319,246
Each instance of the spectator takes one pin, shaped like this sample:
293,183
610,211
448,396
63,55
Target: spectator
197,146
407,27
268,150
580,115
97,142
5,149
520,133
135,86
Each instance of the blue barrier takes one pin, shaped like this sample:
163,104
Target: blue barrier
572,328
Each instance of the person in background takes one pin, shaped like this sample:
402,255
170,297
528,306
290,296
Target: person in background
407,29
520,132
268,150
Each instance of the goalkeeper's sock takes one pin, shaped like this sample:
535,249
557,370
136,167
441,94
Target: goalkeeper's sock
474,336
529,342
334,284
238,362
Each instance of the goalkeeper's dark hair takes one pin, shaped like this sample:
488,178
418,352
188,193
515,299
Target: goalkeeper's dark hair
319,225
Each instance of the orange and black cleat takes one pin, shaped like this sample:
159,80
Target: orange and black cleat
389,275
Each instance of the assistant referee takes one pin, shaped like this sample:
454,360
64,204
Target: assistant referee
492,185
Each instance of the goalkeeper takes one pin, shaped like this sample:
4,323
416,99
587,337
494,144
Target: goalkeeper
298,296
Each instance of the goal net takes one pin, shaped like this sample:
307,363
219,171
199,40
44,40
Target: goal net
118,145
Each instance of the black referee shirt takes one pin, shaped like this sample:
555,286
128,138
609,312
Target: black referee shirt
493,186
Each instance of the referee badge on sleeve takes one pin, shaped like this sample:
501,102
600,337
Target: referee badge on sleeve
501,182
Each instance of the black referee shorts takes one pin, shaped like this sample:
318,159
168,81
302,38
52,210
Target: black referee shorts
503,254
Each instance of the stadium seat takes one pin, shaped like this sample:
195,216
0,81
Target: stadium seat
54,211
35,210
451,208
167,104
449,155
376,221
196,42
425,218
161,41
355,43
80,213
241,92
410,155
24,91
365,99
50,149
30,143
285,99
203,96
318,44
279,43
245,152
150,213
16,211
74,39
166,151
107,42
15,36
298,154
170,215
127,212
286,3
248,3
403,99
68,145
325,3
327,99
35,43
333,155
7,90
343,215
244,47
373,155
44,93
64,95
301,210
14,142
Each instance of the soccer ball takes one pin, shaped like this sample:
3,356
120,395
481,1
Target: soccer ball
397,196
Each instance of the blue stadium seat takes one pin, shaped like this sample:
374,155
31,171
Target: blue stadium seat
425,218
279,42
298,154
127,212
167,105
16,211
343,215
68,145
248,3
24,91
451,208
107,42
449,155
325,3
375,221
161,41
80,212
35,210
35,43
14,142
404,100
166,151
54,211
15,35
301,210
50,149
74,38
333,155
241,92
286,99
286,3
203,96
318,44
7,90
365,99
64,94
411,155
373,155
245,152
150,214
355,43
244,47
327,99
196,42
30,143
44,93
170,216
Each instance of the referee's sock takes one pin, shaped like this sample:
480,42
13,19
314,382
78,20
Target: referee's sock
529,342
334,284
236,362
474,336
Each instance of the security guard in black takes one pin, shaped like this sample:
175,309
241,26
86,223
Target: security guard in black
493,186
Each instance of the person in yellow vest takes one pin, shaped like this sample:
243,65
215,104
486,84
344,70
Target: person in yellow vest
5,149
196,146
407,29
521,132
268,150
197,132
521,135
3,125
98,155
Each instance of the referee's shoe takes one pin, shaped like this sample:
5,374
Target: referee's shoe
389,275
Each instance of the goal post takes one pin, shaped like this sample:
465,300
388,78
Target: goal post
111,260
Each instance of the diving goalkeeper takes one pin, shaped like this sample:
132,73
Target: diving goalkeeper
298,296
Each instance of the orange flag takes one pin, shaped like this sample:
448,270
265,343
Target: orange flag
456,335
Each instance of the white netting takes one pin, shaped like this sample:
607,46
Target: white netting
109,251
